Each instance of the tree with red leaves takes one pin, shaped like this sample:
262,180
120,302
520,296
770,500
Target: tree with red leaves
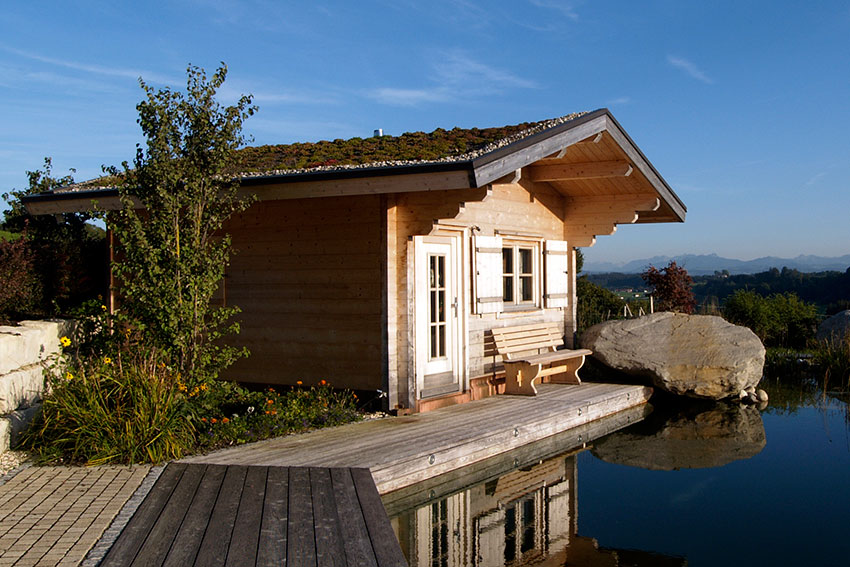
672,288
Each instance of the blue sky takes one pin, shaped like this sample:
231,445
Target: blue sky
742,106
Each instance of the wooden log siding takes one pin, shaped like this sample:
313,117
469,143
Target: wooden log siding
307,276
519,208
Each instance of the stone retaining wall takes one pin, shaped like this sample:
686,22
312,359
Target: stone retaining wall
23,352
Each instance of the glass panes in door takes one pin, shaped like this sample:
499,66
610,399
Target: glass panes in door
437,296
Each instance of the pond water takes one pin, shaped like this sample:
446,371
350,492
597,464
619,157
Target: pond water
692,484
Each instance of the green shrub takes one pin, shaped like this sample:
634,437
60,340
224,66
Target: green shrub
104,410
68,255
20,290
781,320
228,414
595,304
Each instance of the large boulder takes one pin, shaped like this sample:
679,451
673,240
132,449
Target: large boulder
836,327
699,356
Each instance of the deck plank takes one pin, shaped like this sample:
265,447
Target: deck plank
355,535
301,543
271,551
134,534
188,539
164,531
326,522
384,543
216,540
246,527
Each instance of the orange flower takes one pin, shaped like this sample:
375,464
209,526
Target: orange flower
225,420
204,419
274,412
299,382
214,420
267,412
322,382
270,402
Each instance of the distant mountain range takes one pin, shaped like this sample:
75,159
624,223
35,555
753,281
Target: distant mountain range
707,264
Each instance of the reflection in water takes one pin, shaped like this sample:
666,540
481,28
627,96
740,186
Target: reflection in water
524,517
690,435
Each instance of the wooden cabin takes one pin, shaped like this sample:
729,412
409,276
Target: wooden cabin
389,275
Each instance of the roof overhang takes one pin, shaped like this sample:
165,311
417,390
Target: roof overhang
589,159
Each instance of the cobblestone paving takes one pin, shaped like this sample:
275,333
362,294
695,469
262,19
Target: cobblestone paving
54,515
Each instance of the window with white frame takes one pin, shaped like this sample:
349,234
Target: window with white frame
520,274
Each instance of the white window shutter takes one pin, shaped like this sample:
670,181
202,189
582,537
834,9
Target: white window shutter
557,259
488,274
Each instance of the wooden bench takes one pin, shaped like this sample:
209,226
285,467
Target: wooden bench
521,348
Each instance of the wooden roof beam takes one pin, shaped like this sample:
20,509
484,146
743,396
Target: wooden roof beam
588,170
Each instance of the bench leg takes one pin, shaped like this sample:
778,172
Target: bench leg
570,374
520,377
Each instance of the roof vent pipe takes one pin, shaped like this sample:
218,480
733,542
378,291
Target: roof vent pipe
379,132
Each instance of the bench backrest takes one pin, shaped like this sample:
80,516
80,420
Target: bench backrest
524,339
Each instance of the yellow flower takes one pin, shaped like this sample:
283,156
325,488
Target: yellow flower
107,360
103,307
69,376
299,382
203,387
66,342
182,387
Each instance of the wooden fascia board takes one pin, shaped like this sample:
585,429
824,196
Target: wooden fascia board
640,161
72,202
299,188
503,161
457,176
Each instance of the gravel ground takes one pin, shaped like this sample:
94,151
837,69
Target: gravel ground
11,460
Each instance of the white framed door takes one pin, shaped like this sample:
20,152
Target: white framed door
438,316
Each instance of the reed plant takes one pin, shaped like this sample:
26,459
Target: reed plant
833,356
129,409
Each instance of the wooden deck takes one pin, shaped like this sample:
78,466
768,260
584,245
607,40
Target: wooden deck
210,515
403,451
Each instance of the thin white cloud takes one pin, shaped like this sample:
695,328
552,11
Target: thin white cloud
455,75
456,68
567,9
231,91
815,178
95,69
690,68
620,100
409,97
